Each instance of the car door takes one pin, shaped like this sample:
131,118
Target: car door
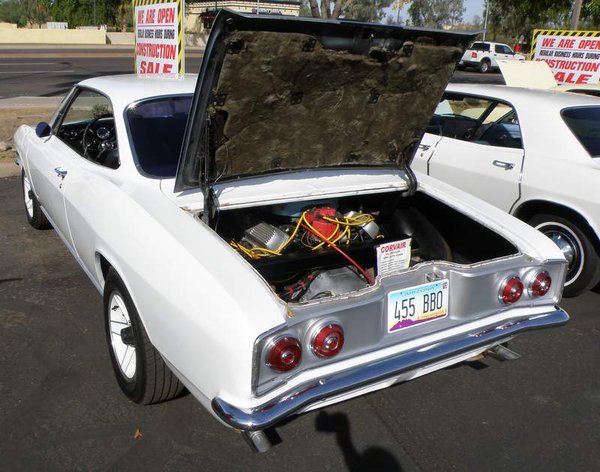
88,136
47,161
484,156
503,52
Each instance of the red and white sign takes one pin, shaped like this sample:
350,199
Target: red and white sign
572,59
393,257
157,39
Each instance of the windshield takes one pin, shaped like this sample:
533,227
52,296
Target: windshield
156,130
583,123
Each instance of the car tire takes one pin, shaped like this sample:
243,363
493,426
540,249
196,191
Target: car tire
584,264
33,211
140,370
484,66
461,67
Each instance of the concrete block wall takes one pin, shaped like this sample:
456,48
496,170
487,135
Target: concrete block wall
51,36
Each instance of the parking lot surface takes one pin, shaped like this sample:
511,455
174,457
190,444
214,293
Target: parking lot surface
60,408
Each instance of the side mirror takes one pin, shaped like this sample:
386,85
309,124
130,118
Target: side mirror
43,129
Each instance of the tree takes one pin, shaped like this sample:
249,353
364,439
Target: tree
368,10
436,13
512,18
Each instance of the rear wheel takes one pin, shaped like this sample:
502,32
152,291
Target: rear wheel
140,370
33,211
583,270
484,66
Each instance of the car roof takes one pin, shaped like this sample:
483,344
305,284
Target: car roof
125,89
520,96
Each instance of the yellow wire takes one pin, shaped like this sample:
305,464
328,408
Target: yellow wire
358,220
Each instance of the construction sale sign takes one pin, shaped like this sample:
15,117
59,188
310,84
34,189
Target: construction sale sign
573,56
159,37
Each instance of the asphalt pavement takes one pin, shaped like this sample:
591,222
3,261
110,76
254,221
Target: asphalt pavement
52,71
61,409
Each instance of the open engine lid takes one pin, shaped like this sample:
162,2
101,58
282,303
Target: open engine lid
280,94
529,74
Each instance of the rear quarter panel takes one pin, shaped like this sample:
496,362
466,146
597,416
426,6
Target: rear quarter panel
201,305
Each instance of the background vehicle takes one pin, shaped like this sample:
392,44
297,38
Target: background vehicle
529,152
280,269
484,56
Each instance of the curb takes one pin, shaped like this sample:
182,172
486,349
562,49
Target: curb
30,102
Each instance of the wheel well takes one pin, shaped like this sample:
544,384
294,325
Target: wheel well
104,266
529,209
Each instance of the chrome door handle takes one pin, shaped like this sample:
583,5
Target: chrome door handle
60,172
504,165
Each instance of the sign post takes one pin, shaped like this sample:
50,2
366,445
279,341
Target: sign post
573,56
159,37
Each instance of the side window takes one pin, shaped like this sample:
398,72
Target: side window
503,49
480,47
476,119
459,116
501,128
88,127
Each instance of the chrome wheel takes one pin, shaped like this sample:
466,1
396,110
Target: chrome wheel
27,196
122,336
570,245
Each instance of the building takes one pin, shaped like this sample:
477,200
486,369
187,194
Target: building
199,15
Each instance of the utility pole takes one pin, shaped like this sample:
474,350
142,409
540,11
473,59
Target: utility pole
576,13
487,11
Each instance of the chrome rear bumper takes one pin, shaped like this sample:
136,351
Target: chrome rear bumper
272,412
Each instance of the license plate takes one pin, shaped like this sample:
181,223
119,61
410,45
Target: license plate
417,305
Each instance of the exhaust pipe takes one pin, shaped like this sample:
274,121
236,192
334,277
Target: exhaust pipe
257,440
502,353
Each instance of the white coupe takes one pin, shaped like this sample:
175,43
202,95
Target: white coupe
284,257
532,153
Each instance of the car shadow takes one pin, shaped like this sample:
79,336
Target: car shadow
371,459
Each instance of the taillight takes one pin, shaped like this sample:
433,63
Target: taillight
511,290
284,354
328,341
540,284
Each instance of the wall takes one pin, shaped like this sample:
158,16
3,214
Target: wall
51,36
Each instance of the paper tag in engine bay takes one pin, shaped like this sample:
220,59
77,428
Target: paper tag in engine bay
393,257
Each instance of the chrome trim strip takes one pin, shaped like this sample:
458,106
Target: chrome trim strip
272,412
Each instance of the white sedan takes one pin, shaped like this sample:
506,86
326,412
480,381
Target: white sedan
532,153
274,267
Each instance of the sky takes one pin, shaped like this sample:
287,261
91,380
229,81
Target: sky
472,9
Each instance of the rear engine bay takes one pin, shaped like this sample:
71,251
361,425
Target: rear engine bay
325,248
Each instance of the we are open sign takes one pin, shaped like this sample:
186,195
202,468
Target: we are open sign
159,37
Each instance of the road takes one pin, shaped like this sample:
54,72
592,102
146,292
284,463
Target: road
52,71
46,72
61,409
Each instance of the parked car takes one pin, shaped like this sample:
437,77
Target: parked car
533,154
276,254
484,55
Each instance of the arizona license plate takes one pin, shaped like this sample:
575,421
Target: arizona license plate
417,305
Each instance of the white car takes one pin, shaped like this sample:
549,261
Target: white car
484,55
290,260
532,153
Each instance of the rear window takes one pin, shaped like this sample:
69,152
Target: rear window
156,130
584,123
480,46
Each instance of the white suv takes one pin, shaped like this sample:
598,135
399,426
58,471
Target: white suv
483,55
